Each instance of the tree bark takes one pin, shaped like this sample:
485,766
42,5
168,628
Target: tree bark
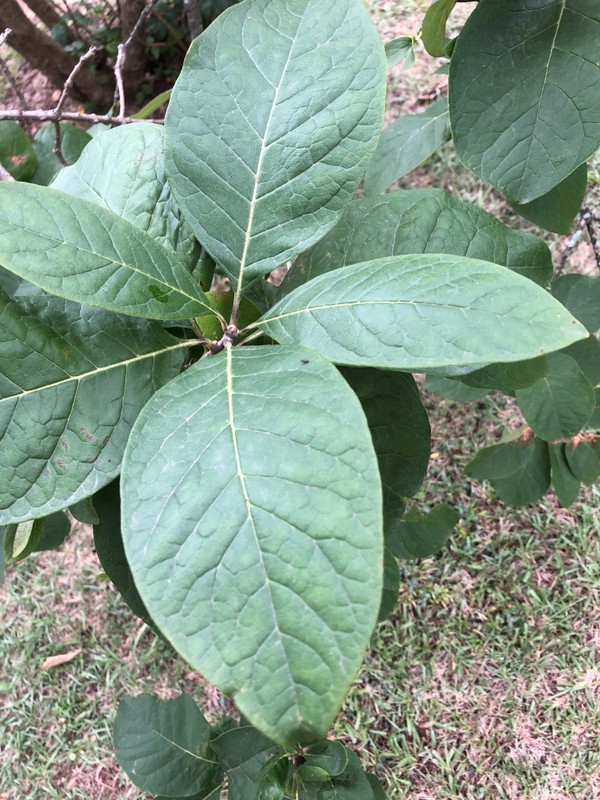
46,55
135,61
45,11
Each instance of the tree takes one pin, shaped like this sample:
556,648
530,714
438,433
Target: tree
247,456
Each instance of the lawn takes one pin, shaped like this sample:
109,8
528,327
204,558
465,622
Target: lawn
484,683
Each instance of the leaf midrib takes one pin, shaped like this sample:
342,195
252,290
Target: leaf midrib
96,371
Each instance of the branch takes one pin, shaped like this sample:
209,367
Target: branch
50,115
63,97
122,57
588,220
8,76
4,36
194,17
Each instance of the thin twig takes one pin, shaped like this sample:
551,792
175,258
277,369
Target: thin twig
63,98
194,18
122,57
49,115
588,220
4,36
5,174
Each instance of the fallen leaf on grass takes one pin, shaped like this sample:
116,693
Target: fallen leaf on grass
62,658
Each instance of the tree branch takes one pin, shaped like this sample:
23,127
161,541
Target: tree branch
122,57
50,115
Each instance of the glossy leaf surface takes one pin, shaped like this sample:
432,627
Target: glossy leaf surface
526,125
65,419
423,311
271,125
82,252
252,525
163,745
560,404
406,143
123,170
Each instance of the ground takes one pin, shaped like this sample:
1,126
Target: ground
483,684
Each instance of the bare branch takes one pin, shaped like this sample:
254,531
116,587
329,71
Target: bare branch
194,17
4,36
63,98
588,220
8,76
50,115
122,57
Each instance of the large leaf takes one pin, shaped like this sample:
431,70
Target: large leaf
560,404
72,381
420,221
164,745
271,125
405,144
252,525
124,170
419,312
508,377
82,252
526,123
556,210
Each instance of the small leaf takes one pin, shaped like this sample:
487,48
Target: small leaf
222,302
164,745
581,295
273,778
378,793
526,125
508,377
391,585
583,461
263,157
502,459
327,755
587,355
21,539
407,142
422,535
559,405
420,312
556,210
530,482
351,784
307,774
84,511
248,570
433,30
56,529
564,481
82,252
453,390
17,155
400,52
242,751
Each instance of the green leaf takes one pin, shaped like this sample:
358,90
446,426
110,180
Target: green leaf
366,230
587,354
406,143
400,431
273,778
594,421
84,511
110,551
508,377
453,390
164,745
328,755
583,461
442,224
20,540
420,312
422,535
17,155
73,140
151,107
351,784
400,52
56,529
559,405
556,210
530,482
251,570
433,30
65,419
378,793
123,170
581,295
242,751
305,774
526,125
271,125
82,252
565,484
502,459
391,585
